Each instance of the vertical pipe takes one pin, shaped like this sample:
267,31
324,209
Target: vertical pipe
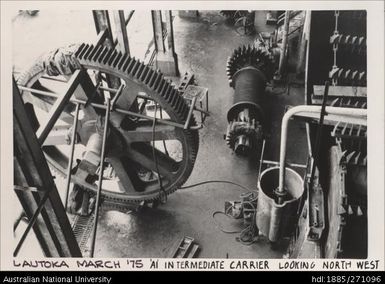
102,156
69,168
282,58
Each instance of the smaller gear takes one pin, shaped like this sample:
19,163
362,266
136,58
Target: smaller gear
243,134
250,56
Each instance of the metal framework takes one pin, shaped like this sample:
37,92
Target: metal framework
36,190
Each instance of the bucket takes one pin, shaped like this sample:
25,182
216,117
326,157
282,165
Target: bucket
278,220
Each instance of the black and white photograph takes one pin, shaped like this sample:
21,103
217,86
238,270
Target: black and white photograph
243,131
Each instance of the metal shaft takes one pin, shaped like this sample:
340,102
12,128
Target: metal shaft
102,156
71,158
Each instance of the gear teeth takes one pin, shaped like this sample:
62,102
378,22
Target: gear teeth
131,65
107,56
98,51
120,64
157,80
92,53
126,63
102,54
112,57
135,67
88,52
147,78
117,59
139,71
160,85
173,100
152,79
143,74
163,87
167,93
247,55
79,50
178,104
83,51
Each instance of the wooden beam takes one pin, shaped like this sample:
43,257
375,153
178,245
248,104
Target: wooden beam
121,32
158,30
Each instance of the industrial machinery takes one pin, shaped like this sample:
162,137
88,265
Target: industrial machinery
333,221
149,150
124,136
248,71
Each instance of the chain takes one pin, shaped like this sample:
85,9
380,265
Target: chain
335,48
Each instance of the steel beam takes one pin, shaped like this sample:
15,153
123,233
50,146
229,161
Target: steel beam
52,227
58,107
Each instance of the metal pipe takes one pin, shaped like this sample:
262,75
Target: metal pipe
75,125
293,165
102,106
282,58
102,156
304,110
186,125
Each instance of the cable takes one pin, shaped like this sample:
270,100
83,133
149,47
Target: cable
247,236
216,181
227,215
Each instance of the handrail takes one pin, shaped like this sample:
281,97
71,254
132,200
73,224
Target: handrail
305,111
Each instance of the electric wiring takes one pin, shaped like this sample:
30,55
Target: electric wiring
227,215
248,235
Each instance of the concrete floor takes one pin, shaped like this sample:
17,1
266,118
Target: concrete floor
203,46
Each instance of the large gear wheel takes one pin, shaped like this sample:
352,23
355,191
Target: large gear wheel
130,149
